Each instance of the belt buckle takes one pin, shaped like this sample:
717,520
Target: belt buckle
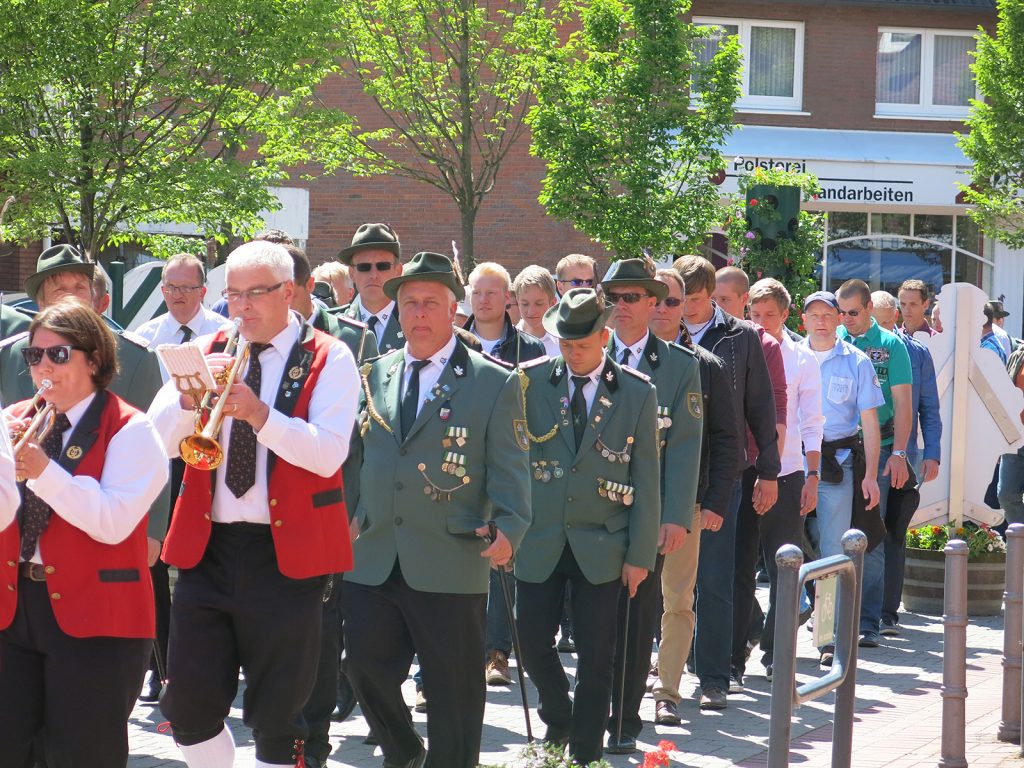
36,572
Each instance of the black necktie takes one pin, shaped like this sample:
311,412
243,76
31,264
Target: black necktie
578,406
624,357
186,334
411,398
372,324
35,513
241,474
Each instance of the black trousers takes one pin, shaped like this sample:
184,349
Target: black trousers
70,696
594,607
644,617
235,610
161,579
782,524
324,697
385,625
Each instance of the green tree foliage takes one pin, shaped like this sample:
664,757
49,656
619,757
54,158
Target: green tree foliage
115,114
995,143
630,124
452,81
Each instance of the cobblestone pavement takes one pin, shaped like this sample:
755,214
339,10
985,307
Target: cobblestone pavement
898,721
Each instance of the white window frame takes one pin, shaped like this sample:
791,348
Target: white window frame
924,107
747,102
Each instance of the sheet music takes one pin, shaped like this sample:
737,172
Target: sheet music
186,364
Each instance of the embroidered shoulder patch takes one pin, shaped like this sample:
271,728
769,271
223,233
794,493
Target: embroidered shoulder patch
693,404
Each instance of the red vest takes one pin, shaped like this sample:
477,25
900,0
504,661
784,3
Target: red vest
307,512
96,590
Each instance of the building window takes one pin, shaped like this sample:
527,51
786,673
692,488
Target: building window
924,73
773,60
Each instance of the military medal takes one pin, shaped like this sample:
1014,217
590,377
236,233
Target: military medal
74,452
611,454
295,372
664,417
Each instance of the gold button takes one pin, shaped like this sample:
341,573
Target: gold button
273,502
50,569
55,595
278,523
11,563
10,587
207,515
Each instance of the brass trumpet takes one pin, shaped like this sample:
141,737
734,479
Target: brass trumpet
201,449
42,422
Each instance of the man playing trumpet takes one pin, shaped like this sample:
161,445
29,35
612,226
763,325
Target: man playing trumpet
255,539
76,607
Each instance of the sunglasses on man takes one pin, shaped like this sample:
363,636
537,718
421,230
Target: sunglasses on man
59,355
579,283
381,266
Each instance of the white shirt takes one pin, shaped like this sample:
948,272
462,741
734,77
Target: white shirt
381,316
697,331
429,374
134,473
488,345
9,497
590,388
319,444
551,348
166,330
636,350
804,420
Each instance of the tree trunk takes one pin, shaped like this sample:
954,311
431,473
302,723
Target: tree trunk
467,259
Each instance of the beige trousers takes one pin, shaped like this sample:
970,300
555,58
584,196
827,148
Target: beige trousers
678,580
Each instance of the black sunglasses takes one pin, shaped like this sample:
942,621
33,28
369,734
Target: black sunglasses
629,298
382,266
59,355
670,301
578,283
850,312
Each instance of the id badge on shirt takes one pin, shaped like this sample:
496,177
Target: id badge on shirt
839,389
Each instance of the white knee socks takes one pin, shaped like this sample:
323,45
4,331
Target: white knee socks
218,752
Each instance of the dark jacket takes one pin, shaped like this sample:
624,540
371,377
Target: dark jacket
720,440
515,346
738,346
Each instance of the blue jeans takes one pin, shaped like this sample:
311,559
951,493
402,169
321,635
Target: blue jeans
1011,486
874,561
712,645
499,634
835,510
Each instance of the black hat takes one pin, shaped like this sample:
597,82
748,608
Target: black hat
634,272
579,314
376,236
434,267
57,258
994,310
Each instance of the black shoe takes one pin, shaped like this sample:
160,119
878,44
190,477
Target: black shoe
151,689
890,627
713,698
555,738
626,745
313,762
346,698
566,645
371,740
417,762
869,640
768,672
828,655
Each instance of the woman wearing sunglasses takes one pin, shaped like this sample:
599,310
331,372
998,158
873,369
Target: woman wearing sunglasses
76,606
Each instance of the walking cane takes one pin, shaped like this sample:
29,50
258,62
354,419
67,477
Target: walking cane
158,656
625,656
506,591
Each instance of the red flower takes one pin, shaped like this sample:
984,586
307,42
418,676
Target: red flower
666,746
936,530
753,202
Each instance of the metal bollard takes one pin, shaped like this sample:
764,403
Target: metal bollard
855,544
1013,685
954,658
787,585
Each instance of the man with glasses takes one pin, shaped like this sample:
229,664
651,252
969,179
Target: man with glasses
183,286
891,361
373,258
630,286
255,542
577,270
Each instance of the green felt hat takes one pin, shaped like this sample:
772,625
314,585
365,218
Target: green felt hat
579,314
432,267
57,258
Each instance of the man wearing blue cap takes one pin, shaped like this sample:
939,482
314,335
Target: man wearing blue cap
850,395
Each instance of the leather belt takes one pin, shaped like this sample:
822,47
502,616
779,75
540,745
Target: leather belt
32,571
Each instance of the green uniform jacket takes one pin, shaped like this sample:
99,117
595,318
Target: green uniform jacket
137,382
353,333
391,338
567,505
675,373
12,321
409,508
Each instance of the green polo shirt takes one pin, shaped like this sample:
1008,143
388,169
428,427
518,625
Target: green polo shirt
891,360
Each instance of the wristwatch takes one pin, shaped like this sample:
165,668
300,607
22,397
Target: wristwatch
900,454
812,473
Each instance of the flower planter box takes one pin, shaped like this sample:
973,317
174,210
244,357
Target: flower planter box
924,581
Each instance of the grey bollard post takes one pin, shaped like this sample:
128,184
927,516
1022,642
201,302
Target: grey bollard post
954,658
1013,684
787,608
855,545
